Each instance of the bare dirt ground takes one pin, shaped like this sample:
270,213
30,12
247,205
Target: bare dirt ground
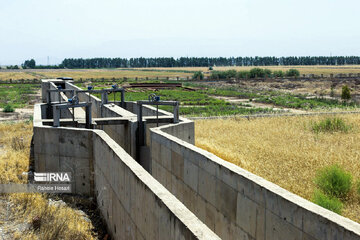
312,87
19,114
235,100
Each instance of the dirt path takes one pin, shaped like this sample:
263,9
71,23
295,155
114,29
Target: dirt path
235,100
19,114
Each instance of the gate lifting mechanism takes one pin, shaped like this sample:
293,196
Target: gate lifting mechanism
72,103
105,92
153,100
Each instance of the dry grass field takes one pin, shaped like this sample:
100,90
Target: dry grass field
158,72
285,151
46,221
89,73
318,69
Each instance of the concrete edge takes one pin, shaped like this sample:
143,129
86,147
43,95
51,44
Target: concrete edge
344,222
173,204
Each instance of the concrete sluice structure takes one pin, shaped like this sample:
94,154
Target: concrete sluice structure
162,186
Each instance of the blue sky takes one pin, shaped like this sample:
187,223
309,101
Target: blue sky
154,28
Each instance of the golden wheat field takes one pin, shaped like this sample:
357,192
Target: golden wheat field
313,69
285,151
152,73
88,73
53,222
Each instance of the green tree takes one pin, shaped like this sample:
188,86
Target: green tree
345,93
29,64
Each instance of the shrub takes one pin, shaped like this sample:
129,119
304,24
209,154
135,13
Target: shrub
278,73
267,72
292,73
334,181
332,92
328,202
257,72
243,74
230,73
224,74
8,108
210,68
331,125
345,93
218,74
198,75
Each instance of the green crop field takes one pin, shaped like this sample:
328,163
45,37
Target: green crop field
18,95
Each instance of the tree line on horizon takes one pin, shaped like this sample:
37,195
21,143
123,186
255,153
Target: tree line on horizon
205,61
195,62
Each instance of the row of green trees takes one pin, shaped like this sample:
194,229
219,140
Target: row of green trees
194,62
253,73
205,61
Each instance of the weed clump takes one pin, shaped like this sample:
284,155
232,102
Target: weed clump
330,125
198,75
292,73
334,181
17,143
328,202
8,108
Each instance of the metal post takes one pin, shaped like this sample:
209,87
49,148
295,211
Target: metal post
88,116
176,112
140,132
73,116
123,98
104,97
59,96
56,115
157,115
48,100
